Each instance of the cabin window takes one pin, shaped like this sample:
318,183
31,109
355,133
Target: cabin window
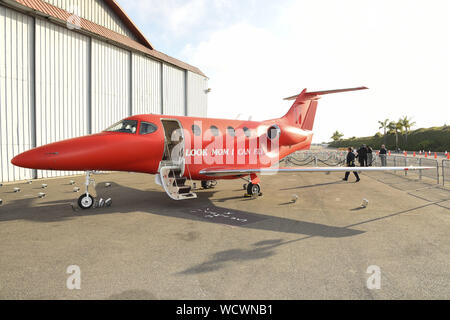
214,131
147,128
231,131
196,130
124,126
247,132
273,132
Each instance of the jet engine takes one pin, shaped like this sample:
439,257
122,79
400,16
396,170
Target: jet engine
292,135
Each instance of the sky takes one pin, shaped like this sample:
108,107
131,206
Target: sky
255,53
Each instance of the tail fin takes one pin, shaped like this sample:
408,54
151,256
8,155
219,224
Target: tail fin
303,111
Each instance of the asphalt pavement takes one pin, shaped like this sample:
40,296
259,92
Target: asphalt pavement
307,237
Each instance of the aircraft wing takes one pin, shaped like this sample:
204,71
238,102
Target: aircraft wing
222,172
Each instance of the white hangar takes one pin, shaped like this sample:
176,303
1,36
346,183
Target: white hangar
74,67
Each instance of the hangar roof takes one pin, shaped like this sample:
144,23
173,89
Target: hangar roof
42,8
128,22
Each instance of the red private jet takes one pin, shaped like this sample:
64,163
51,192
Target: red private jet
177,148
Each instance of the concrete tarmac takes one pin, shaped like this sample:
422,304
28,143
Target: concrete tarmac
224,246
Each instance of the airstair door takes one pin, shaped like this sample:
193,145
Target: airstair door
171,169
173,144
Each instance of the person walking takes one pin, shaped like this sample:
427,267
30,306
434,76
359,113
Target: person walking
369,156
383,155
362,156
351,163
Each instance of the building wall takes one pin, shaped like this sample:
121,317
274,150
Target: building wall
197,95
61,80
146,80
96,11
174,91
110,85
56,84
16,59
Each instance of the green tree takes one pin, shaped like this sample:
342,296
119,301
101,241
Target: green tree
407,124
395,128
385,126
337,136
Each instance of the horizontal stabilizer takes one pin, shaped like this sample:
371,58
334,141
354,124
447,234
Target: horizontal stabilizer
311,95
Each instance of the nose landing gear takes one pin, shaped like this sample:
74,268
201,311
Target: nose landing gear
86,201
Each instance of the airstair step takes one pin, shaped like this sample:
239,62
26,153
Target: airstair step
174,173
171,179
180,181
184,189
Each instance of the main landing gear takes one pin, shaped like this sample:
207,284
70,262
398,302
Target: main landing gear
86,201
254,190
209,184
253,187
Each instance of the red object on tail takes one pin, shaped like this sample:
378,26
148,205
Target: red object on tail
303,111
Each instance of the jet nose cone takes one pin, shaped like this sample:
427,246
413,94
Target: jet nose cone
63,155
28,159
38,158
20,160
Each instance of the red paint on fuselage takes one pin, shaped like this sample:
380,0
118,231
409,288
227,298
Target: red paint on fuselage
117,151
122,151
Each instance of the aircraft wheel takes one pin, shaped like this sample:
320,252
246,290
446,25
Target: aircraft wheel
208,184
245,186
86,201
253,189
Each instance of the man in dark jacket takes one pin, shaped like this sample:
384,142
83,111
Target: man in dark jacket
383,155
362,156
351,163
369,156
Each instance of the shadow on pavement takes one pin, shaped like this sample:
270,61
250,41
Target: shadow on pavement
129,200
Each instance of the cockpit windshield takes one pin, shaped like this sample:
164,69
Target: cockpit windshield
126,126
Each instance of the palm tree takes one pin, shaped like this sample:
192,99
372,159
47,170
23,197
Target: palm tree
406,124
385,126
400,128
337,136
395,128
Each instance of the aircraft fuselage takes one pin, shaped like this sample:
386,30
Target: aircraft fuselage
205,143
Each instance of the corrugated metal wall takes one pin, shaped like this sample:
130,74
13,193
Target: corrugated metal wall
197,95
16,59
146,75
96,11
69,83
61,80
110,85
174,91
